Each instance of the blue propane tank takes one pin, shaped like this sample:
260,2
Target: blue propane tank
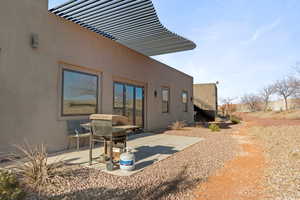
127,160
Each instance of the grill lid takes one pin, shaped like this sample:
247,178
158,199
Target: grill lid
116,119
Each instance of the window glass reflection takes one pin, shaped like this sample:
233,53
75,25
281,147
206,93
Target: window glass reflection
165,100
80,93
185,101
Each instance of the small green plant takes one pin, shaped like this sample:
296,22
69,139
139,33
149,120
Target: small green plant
10,187
178,125
269,109
214,127
235,119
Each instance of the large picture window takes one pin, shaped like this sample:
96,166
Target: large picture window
185,101
79,93
165,100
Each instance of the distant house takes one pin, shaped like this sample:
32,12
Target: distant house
86,57
206,100
293,103
278,105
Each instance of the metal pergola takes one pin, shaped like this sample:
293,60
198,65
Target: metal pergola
133,23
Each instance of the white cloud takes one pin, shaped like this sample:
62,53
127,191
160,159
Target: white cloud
262,31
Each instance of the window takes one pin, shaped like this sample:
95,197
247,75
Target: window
129,102
165,100
119,90
79,93
185,101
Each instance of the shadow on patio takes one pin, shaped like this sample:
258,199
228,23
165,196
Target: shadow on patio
144,152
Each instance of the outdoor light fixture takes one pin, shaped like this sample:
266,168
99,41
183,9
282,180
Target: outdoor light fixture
155,93
34,40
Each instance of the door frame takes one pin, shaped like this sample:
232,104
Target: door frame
134,102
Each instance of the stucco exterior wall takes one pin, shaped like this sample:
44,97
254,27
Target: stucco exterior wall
205,96
30,78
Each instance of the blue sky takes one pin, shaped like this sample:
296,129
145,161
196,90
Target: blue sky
243,44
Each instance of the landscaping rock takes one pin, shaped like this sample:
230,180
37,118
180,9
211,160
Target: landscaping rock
173,178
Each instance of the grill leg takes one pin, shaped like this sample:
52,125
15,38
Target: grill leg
109,164
111,151
105,147
91,149
77,138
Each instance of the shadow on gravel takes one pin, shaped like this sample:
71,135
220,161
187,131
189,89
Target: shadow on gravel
179,183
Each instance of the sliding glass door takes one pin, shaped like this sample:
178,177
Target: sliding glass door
139,106
129,102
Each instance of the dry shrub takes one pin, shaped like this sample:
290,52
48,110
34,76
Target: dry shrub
295,155
178,125
35,171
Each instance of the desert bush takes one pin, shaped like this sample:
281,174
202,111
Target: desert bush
253,102
269,109
295,155
235,120
10,187
35,171
214,127
177,125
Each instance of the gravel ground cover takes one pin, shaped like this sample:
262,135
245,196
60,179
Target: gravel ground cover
173,178
241,177
282,149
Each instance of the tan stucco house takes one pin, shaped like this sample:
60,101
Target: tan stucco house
53,70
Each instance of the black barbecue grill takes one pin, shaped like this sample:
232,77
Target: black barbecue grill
112,130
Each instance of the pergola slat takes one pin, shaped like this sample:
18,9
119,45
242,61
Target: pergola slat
105,9
137,34
133,13
129,24
125,22
133,23
146,37
111,13
135,27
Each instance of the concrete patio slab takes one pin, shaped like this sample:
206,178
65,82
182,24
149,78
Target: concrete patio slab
148,149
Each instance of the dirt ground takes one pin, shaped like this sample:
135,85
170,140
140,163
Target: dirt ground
257,121
241,177
253,174
290,114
